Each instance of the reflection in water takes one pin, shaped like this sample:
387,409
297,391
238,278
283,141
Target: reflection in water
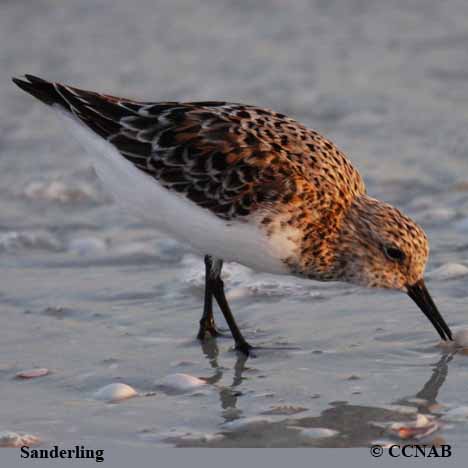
228,395
431,389
356,425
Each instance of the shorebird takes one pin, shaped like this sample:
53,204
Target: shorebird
245,184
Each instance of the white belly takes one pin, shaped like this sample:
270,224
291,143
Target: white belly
173,214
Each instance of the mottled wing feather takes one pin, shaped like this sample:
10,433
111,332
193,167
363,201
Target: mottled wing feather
228,158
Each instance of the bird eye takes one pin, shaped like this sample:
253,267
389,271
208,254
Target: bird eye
394,253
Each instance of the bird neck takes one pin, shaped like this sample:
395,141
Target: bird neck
325,246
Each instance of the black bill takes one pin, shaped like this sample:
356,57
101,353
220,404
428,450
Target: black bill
419,293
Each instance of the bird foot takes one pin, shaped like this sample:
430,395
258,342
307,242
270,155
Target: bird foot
245,348
208,329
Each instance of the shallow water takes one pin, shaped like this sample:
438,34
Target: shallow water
97,297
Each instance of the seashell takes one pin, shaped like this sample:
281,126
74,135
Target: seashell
181,382
315,432
448,271
32,373
13,439
418,429
115,392
461,338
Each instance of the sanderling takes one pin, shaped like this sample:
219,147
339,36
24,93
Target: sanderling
245,184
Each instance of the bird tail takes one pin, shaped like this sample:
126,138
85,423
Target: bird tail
102,113
43,90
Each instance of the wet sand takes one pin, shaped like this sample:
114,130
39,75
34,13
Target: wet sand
97,297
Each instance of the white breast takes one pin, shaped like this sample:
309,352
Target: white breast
173,214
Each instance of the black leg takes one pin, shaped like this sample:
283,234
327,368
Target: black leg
207,323
218,292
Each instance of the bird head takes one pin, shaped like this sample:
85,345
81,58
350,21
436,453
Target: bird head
378,246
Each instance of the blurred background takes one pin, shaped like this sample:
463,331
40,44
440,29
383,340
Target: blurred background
99,297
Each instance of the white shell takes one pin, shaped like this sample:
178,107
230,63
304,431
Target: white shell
422,420
461,338
181,382
115,392
315,432
448,271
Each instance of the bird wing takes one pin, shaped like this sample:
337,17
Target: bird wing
228,158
